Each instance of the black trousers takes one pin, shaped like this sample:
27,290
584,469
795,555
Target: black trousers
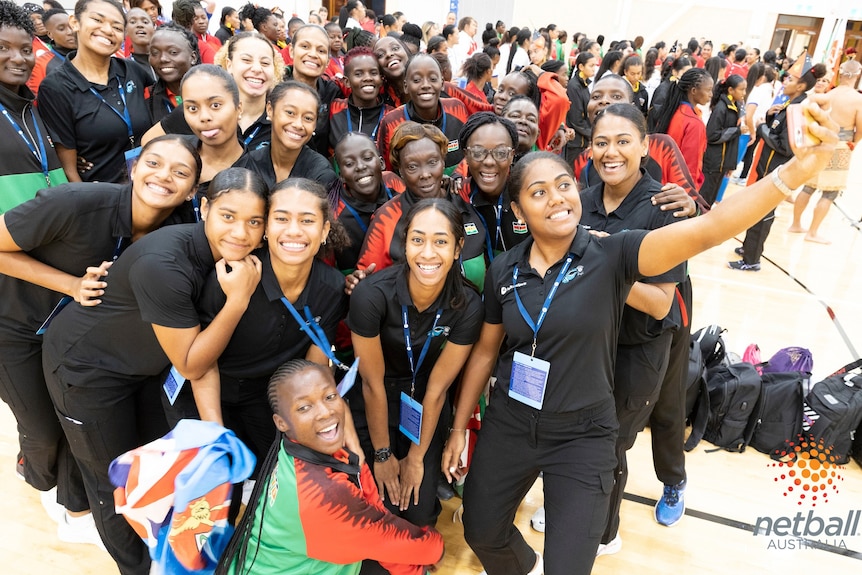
667,420
711,185
638,376
48,462
429,507
102,419
749,157
755,239
575,453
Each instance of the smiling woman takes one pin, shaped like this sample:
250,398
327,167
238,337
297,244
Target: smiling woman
104,365
293,109
300,228
173,50
95,102
81,229
413,326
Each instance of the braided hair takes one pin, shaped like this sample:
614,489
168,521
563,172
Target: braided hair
679,94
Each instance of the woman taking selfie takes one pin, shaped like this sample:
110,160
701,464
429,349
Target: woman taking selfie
552,409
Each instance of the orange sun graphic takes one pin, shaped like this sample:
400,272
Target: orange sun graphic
808,472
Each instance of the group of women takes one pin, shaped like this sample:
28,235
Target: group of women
192,319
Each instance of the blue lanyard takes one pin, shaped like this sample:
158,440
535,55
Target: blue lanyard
250,137
124,116
414,368
355,214
377,127
442,128
57,54
498,233
118,249
545,306
356,217
197,208
40,153
314,332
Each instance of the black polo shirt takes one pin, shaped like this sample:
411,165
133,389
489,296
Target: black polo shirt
69,227
375,312
268,335
579,335
509,233
81,121
636,212
256,136
309,164
156,281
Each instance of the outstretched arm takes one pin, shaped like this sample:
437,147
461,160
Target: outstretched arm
666,247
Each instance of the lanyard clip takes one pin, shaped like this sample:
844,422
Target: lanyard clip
533,350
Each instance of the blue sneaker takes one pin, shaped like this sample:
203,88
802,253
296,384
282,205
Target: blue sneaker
671,507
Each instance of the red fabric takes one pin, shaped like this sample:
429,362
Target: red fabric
39,71
555,106
214,42
285,55
207,53
738,69
475,91
396,117
334,509
689,132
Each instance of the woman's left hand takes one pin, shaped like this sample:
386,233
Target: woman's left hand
674,197
412,473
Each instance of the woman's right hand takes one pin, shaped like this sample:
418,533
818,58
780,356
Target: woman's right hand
352,280
386,474
451,462
242,280
90,286
811,159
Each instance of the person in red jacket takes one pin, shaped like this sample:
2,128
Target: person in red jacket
680,118
316,508
424,84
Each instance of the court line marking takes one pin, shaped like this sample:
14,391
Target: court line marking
727,522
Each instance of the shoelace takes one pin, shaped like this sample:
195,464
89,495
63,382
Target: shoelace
671,495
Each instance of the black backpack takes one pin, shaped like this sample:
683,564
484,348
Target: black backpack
711,343
832,411
733,393
856,452
696,392
777,418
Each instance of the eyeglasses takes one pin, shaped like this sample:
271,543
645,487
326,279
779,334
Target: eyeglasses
478,153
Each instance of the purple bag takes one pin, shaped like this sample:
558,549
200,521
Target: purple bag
790,359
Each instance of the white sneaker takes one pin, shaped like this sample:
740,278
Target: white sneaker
79,530
538,568
49,501
537,521
610,548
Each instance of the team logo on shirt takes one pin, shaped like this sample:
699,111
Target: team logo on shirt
130,86
470,229
573,273
440,330
453,146
506,289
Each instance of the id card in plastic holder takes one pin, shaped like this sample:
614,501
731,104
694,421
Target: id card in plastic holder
57,309
349,379
131,156
173,384
410,419
529,379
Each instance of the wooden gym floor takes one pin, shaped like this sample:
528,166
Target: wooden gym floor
727,493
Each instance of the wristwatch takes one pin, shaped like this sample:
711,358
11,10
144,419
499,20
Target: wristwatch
382,455
779,183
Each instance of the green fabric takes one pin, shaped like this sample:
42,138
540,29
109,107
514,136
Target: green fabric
474,270
15,189
280,503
